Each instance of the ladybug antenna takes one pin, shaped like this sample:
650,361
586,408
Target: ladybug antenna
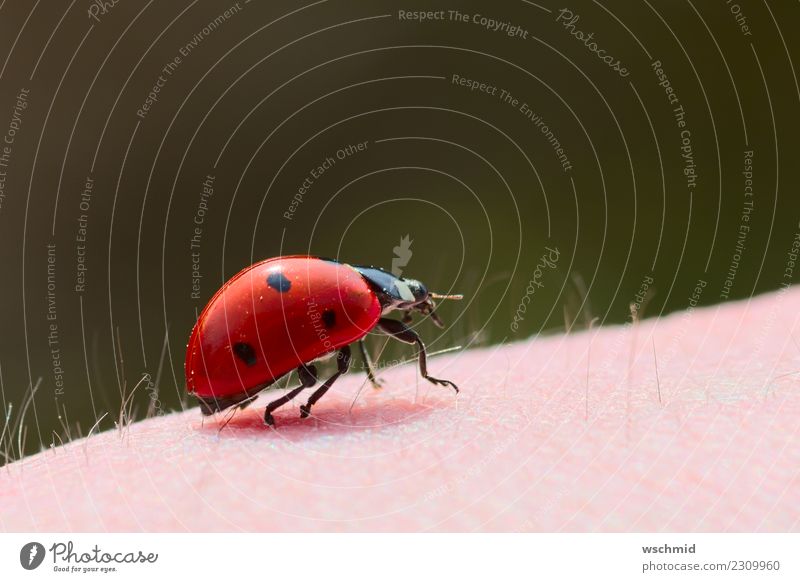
438,296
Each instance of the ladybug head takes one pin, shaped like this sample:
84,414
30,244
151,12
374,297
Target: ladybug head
398,293
416,289
424,303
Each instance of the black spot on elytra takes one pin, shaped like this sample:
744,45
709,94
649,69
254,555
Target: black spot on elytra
329,318
278,281
245,353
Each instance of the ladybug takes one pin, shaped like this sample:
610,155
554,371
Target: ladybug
284,313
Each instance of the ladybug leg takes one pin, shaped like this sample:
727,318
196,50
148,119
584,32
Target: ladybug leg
368,363
343,363
399,331
308,377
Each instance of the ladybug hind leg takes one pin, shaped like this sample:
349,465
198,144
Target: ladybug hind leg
308,377
343,363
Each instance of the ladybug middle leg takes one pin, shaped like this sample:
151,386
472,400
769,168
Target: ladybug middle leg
374,380
399,331
342,363
308,377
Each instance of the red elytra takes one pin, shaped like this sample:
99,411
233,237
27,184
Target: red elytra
283,313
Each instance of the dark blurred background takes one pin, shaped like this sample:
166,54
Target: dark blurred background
571,150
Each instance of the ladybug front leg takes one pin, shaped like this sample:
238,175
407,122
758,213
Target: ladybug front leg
368,363
308,377
343,363
399,331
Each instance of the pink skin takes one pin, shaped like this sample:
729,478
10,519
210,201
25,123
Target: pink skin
513,451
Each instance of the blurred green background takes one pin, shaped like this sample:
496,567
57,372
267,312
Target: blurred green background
265,92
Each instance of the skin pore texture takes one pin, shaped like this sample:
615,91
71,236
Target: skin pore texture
701,437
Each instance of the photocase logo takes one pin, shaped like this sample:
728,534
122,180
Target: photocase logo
31,555
402,254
